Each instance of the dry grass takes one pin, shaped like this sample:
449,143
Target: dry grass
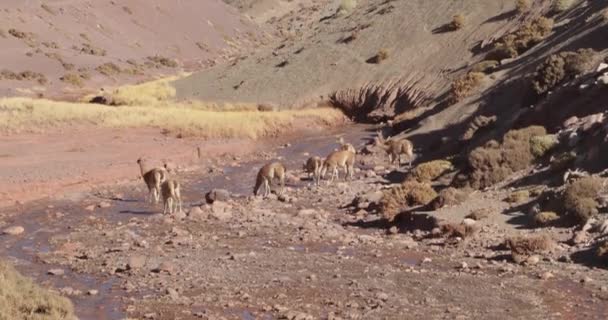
108,69
545,218
486,66
522,6
452,230
72,79
408,194
523,247
479,214
458,22
379,57
29,115
159,62
579,198
540,145
346,6
466,85
562,5
560,67
601,252
429,171
518,197
449,197
20,298
520,41
494,162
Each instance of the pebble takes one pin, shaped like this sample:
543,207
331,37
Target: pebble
13,231
56,272
92,292
546,275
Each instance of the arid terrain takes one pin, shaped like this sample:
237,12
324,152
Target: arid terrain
496,211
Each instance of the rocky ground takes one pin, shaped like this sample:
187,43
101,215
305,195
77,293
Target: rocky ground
315,253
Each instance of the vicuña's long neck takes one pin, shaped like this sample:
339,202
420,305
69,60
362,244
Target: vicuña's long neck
142,167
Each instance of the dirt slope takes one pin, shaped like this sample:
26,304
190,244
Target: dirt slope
326,53
55,38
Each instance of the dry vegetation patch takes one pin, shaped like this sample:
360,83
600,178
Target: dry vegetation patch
429,171
20,298
545,218
486,66
560,67
466,85
540,145
458,22
579,198
159,62
522,6
562,5
517,197
520,41
405,195
494,162
450,197
523,247
108,69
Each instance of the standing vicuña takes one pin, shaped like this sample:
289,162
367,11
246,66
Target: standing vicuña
153,179
313,167
267,174
346,146
172,199
396,148
339,159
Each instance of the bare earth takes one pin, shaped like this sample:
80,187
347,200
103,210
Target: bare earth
311,256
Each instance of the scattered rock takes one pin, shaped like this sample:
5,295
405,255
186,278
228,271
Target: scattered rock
136,262
173,294
104,204
90,207
221,211
56,272
533,260
546,275
217,195
92,292
586,280
13,231
198,214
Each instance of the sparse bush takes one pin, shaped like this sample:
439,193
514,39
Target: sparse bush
23,76
562,5
486,66
579,198
108,69
408,194
17,34
429,171
449,197
522,6
479,214
479,122
347,6
72,79
379,57
602,251
458,22
518,196
20,298
464,87
561,66
520,41
452,230
540,145
159,61
545,218
562,161
90,49
523,247
494,162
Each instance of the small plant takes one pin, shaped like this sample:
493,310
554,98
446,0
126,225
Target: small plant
562,5
449,197
540,145
579,198
72,79
346,6
518,196
522,6
560,67
91,50
479,214
108,69
159,61
408,194
464,87
545,218
452,230
458,22
523,247
520,41
17,34
486,66
379,57
429,171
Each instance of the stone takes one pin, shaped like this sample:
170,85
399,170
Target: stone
217,195
104,204
90,207
92,292
220,211
533,260
13,231
136,262
546,275
197,213
56,272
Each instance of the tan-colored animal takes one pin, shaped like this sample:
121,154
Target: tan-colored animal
313,167
273,170
346,146
396,148
153,179
171,193
339,159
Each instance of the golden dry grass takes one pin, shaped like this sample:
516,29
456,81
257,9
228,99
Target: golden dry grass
20,298
32,115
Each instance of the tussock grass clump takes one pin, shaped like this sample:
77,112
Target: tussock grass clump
346,6
479,122
431,170
522,6
23,76
453,230
494,162
449,197
408,194
518,196
20,298
458,22
464,86
523,247
479,214
379,57
520,41
108,69
560,67
159,61
486,66
89,49
601,252
72,79
147,93
31,115
540,145
562,5
545,218
579,198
